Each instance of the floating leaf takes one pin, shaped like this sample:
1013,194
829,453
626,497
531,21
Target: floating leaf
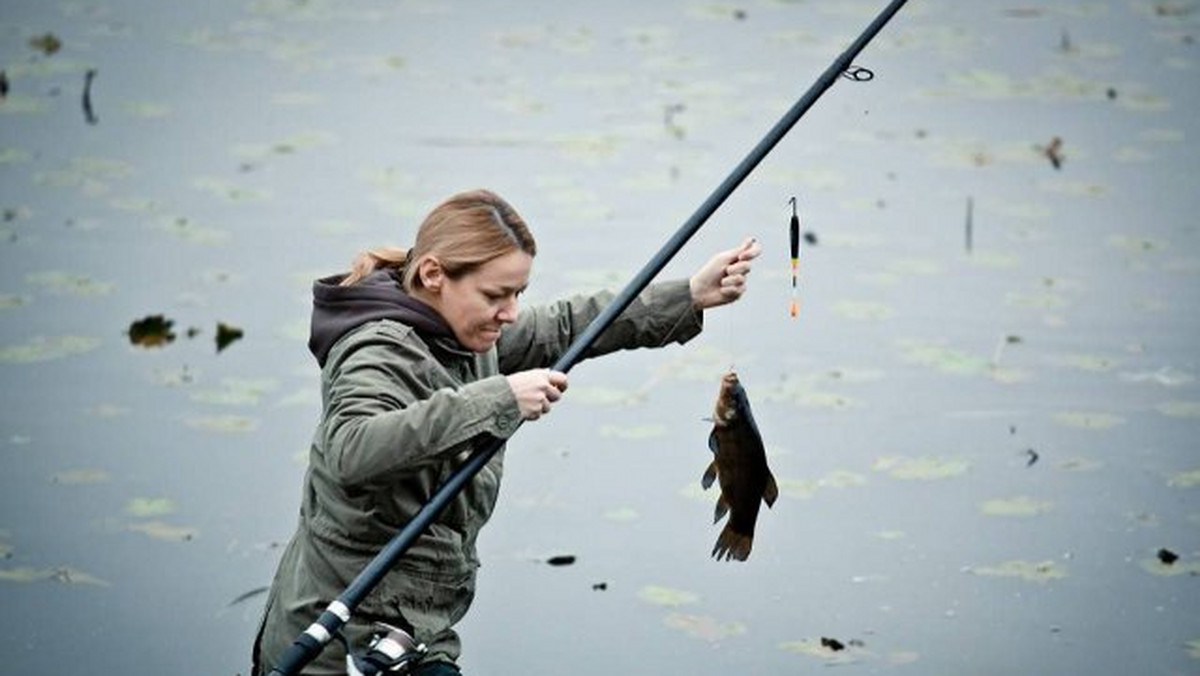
863,310
164,531
1193,648
1081,464
925,468
227,334
842,479
703,627
943,358
80,477
795,488
1040,572
1088,421
1019,506
1180,409
229,191
223,423
47,43
151,331
147,507
237,392
667,596
68,284
1186,479
192,233
63,575
1156,566
9,301
1088,362
48,348
146,109
820,649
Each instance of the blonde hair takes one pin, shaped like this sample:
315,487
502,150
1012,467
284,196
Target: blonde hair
462,233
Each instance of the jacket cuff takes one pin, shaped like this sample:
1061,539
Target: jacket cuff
676,297
499,413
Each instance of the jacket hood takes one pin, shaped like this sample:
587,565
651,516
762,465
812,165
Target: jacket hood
338,310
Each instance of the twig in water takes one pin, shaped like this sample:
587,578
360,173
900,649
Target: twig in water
970,224
88,114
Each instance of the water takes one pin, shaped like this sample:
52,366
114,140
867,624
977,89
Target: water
243,149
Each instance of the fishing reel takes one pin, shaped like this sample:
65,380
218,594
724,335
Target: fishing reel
391,651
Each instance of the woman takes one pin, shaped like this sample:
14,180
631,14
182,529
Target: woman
423,356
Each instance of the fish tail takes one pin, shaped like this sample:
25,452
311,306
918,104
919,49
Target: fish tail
732,546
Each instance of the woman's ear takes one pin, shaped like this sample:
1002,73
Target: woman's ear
431,274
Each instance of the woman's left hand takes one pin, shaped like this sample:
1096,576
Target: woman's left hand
723,278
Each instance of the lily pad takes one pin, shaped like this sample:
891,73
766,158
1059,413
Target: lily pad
1180,409
1041,572
863,310
48,348
164,531
1156,566
148,507
80,477
62,575
922,468
228,424
237,392
1185,479
667,596
1020,506
704,627
1088,420
69,284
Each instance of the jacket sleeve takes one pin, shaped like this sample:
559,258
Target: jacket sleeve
661,314
390,407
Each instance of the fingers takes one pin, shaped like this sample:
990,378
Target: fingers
536,390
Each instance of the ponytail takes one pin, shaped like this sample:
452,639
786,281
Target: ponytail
374,259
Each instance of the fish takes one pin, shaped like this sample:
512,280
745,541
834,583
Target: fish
740,466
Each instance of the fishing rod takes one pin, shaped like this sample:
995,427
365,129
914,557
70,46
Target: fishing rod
309,644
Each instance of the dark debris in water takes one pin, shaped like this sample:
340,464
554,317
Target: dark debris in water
832,643
156,331
151,331
1167,556
562,560
600,586
48,43
227,334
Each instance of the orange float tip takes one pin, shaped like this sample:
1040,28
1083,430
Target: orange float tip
795,309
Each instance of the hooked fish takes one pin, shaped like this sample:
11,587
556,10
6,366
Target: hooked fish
740,464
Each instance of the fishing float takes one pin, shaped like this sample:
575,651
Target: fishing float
794,234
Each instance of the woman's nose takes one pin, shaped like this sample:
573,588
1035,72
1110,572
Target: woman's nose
508,312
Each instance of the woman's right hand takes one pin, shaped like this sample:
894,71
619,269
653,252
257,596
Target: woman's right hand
536,390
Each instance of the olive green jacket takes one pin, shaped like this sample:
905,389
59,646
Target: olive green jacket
401,411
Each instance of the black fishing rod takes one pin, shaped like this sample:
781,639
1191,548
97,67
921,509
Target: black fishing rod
310,643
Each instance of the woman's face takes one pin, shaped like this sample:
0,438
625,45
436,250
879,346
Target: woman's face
479,303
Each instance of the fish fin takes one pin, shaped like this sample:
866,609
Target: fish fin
712,441
771,492
710,475
721,510
732,546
